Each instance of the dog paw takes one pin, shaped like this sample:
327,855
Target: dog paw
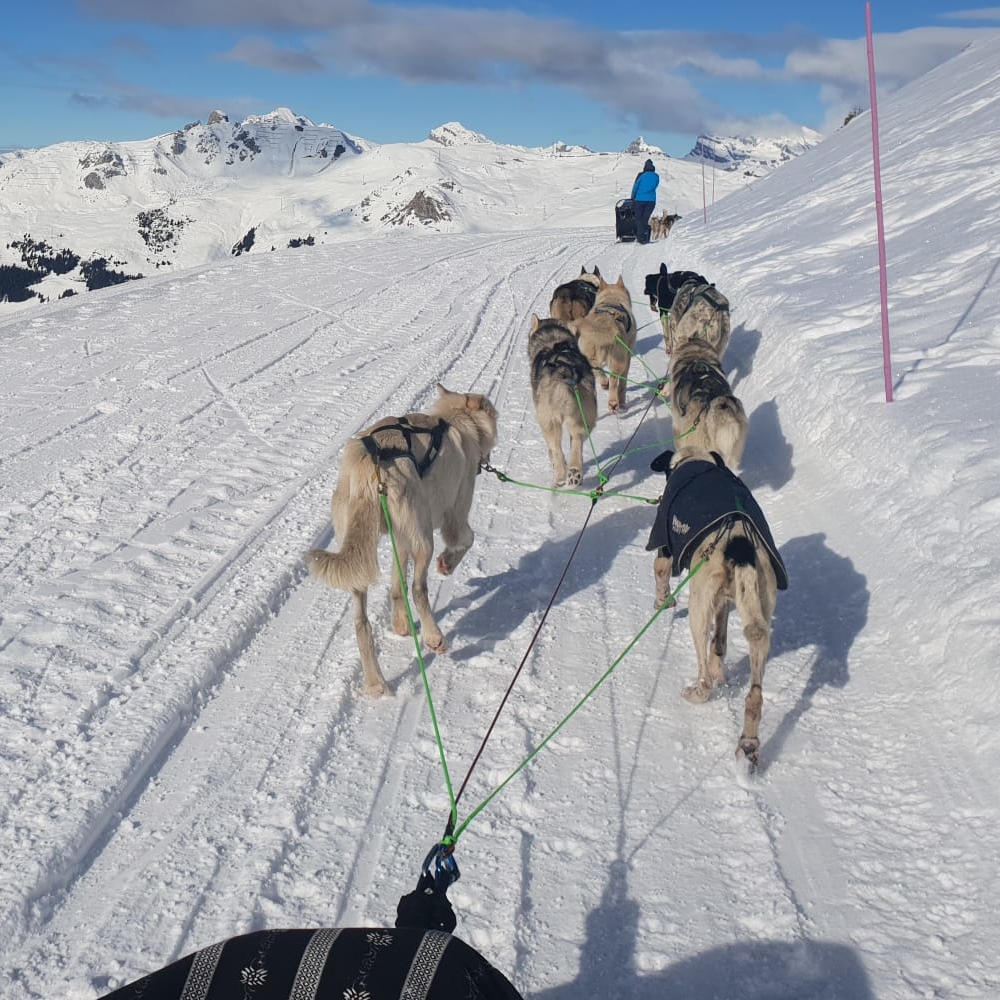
697,694
436,644
377,690
575,477
401,626
749,750
443,568
663,602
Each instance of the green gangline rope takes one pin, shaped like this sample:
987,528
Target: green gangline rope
420,659
459,830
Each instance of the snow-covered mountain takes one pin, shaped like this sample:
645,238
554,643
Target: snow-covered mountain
83,215
751,155
639,147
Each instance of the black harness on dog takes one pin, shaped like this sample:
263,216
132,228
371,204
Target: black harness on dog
579,289
383,456
620,313
565,362
708,384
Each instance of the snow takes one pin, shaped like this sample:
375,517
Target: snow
184,750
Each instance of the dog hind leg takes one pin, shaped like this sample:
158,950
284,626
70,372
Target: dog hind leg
703,612
400,616
375,685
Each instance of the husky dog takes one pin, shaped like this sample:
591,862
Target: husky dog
704,411
575,299
427,466
661,289
660,225
562,386
699,310
709,521
607,336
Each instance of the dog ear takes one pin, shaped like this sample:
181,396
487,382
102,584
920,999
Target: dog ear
620,282
597,271
583,270
442,391
662,462
534,323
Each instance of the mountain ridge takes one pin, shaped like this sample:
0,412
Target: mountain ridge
86,214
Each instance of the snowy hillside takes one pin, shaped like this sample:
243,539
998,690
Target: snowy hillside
84,215
185,753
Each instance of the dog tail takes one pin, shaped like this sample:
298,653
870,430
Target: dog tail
727,429
357,522
742,564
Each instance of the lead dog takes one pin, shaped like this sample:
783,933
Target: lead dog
704,411
564,393
607,337
575,298
427,466
707,519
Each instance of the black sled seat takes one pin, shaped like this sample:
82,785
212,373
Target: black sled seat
625,220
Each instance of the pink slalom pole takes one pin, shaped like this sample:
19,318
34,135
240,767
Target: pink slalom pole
883,282
704,202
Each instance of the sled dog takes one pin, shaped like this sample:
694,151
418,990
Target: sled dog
699,310
661,289
704,411
660,225
708,521
427,464
575,298
607,337
565,395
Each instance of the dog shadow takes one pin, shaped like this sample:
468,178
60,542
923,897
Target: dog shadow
768,451
496,605
740,353
826,607
752,970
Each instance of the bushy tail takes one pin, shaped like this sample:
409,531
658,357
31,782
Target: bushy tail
357,522
727,429
741,562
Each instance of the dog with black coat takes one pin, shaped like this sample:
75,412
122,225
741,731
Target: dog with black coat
709,524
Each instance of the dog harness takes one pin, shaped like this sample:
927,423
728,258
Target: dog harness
565,362
700,497
620,313
579,289
709,384
383,455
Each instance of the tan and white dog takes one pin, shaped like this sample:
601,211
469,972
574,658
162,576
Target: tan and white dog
704,411
427,466
607,338
709,524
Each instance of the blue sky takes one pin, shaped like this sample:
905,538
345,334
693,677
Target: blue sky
528,72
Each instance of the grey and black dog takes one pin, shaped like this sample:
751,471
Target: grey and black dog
705,412
564,393
574,299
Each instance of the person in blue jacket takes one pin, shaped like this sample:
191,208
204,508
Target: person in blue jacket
644,199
